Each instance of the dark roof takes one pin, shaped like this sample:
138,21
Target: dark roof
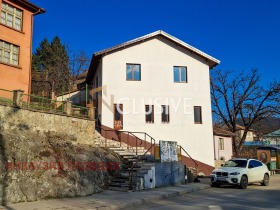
29,6
98,55
221,132
273,134
269,148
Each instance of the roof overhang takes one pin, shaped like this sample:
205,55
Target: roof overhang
29,6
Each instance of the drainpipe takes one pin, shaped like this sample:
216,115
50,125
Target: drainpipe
31,41
215,158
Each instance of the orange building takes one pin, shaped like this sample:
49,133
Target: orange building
16,31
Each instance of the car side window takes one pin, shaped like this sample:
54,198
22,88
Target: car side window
251,164
257,163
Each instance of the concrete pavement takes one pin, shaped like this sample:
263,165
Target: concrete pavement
108,199
255,197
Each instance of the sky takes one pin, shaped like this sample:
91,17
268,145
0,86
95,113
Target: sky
242,34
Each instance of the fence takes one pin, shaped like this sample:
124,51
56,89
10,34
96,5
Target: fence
6,97
18,99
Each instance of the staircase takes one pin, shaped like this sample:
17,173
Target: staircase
131,163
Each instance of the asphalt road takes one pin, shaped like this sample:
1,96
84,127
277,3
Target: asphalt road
225,197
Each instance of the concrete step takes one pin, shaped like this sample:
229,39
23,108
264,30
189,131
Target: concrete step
111,188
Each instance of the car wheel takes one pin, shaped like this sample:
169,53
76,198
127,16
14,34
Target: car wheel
265,181
213,184
243,182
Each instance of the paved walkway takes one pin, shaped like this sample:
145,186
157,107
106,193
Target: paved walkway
108,199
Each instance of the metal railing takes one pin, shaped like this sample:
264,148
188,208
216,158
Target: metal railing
79,111
42,104
128,137
17,98
130,134
195,163
6,97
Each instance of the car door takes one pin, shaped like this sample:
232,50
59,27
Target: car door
260,170
251,171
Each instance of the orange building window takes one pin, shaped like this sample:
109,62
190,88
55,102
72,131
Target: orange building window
9,53
11,16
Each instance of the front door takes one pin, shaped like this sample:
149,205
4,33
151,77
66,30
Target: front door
118,116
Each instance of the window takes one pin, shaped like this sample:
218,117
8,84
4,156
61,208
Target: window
197,115
255,163
118,116
221,144
180,74
9,53
11,16
149,109
165,114
133,72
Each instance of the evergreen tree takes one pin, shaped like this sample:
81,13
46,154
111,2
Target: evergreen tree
50,68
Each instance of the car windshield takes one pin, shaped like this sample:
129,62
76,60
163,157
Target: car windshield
236,163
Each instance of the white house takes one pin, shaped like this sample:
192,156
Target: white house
157,84
222,145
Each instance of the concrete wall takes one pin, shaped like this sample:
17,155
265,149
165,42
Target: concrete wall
18,77
81,130
157,57
171,173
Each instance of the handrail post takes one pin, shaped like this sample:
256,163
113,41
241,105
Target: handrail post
17,98
145,141
68,108
136,138
105,134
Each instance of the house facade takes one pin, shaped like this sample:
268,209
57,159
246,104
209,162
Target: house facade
222,145
251,134
16,29
156,84
273,138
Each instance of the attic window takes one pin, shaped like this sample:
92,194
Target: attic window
133,72
180,74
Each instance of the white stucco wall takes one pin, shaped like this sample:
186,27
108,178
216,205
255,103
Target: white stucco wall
157,58
227,151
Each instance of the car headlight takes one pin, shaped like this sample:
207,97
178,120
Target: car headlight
213,172
234,173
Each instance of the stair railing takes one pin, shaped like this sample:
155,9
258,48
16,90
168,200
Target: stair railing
129,134
195,163
131,171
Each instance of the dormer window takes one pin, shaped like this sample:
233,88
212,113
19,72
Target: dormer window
11,16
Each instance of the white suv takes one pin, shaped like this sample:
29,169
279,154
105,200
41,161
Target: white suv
240,172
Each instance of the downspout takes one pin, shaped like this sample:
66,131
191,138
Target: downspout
31,41
215,158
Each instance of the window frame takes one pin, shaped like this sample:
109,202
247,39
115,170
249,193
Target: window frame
167,115
132,71
13,14
221,144
200,115
152,114
13,50
180,74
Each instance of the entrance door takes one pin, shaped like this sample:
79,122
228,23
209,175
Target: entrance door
118,116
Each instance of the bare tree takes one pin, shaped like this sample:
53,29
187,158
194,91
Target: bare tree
79,63
242,97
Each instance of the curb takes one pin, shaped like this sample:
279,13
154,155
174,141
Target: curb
155,198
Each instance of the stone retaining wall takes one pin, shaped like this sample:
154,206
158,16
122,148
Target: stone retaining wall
81,130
